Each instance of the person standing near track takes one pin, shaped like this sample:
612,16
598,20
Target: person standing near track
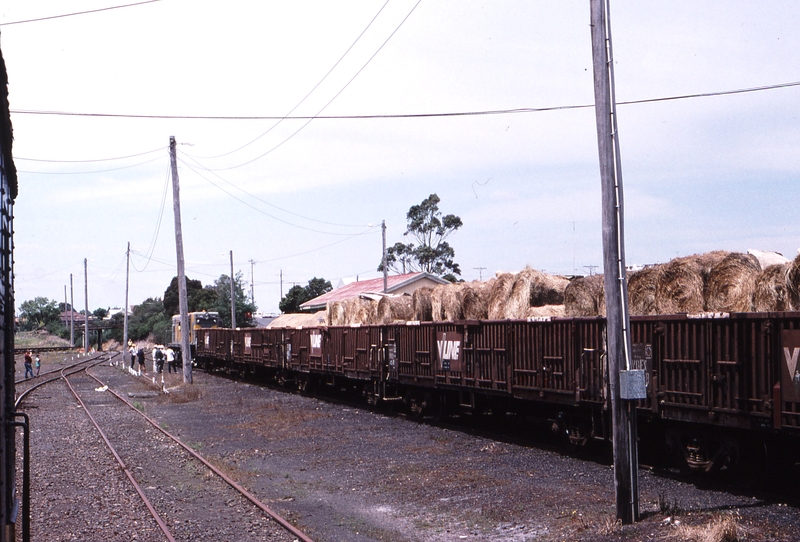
28,361
140,359
38,365
170,353
132,352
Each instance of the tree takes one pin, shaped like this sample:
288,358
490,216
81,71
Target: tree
197,298
298,295
148,317
220,291
38,313
432,254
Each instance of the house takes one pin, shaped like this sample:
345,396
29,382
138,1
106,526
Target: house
396,285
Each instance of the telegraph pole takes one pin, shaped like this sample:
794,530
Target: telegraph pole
183,303
233,298
71,315
385,271
623,409
86,299
252,282
480,272
125,309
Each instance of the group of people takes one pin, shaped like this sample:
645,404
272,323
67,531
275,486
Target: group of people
160,355
29,365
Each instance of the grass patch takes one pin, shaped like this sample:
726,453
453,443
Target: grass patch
185,393
725,528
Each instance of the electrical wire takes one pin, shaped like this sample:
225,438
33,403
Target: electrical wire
88,161
271,204
309,92
152,247
218,187
259,157
79,13
89,172
318,248
418,115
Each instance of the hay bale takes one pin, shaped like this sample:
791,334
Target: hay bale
642,291
475,299
335,313
532,288
421,303
771,293
793,283
359,311
731,283
553,311
585,296
394,309
446,303
681,284
500,292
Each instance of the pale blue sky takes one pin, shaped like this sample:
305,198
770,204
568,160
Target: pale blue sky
699,174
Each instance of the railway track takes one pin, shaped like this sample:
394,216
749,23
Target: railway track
186,496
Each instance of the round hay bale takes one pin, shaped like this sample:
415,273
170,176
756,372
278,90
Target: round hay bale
421,304
793,283
731,283
335,313
359,311
532,288
680,285
585,296
642,291
475,300
446,303
771,293
394,309
553,311
500,292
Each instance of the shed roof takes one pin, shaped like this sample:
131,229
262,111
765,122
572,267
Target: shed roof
373,286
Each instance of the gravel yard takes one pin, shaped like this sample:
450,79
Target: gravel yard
342,473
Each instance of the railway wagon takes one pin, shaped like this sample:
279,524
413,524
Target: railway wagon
723,389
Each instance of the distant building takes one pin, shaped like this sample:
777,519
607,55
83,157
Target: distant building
396,285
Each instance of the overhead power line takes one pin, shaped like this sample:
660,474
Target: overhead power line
160,149
79,13
410,115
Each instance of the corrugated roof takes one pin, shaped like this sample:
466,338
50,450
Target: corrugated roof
354,289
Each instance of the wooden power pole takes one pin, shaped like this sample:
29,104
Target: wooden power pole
625,384
183,303
125,308
385,270
86,308
233,298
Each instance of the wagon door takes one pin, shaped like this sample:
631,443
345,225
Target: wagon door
788,397
683,380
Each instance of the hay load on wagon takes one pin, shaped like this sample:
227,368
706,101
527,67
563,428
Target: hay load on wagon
475,299
793,283
731,284
681,284
421,304
500,292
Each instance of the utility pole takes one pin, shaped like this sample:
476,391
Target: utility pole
252,282
281,284
233,298
183,303
125,309
86,299
624,383
480,272
385,271
71,315
65,306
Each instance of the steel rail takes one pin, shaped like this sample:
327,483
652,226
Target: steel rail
249,496
41,383
128,473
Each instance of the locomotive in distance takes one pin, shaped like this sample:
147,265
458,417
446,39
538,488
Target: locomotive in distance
722,389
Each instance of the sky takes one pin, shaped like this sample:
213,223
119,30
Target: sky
303,198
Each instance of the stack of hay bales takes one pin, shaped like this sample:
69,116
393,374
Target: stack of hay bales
585,296
446,302
793,283
355,310
394,309
731,283
335,313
